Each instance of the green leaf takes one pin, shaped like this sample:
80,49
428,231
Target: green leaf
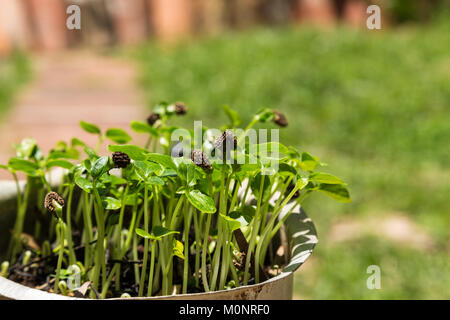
270,147
141,127
234,117
164,160
155,181
25,166
232,224
59,163
113,180
245,216
309,162
293,153
131,199
160,232
301,183
145,168
249,211
75,142
335,191
99,167
110,203
134,152
286,169
327,178
256,185
144,234
264,115
2,166
26,148
118,135
90,153
89,127
201,201
113,219
83,183
87,164
69,153
178,249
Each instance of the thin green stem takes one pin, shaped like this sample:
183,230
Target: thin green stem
222,210
100,255
197,247
60,255
204,251
146,228
152,269
87,230
72,257
187,224
18,227
149,140
118,236
255,229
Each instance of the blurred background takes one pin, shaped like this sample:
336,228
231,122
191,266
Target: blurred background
373,104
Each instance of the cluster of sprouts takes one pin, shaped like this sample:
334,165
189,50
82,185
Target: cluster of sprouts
145,221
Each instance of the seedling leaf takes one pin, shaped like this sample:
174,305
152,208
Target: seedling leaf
134,152
234,117
59,163
99,167
118,135
178,249
336,191
26,166
90,128
141,127
201,201
110,203
160,232
83,183
232,224
327,178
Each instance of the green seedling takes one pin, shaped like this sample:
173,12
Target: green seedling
191,223
62,286
4,269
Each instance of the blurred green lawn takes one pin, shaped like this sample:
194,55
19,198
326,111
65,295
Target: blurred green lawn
14,71
374,105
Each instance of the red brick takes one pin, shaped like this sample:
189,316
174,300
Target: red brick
355,12
318,12
171,19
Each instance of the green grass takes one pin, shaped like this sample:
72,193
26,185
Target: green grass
14,71
374,105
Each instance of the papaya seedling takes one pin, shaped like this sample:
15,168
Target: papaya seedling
145,221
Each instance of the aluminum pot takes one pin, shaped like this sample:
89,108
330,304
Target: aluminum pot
300,234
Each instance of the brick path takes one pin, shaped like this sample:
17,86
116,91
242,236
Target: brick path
66,88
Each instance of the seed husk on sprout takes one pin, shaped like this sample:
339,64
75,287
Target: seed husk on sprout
226,142
48,202
180,108
120,159
280,119
240,262
152,118
200,159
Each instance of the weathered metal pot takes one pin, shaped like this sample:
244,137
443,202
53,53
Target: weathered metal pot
300,234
